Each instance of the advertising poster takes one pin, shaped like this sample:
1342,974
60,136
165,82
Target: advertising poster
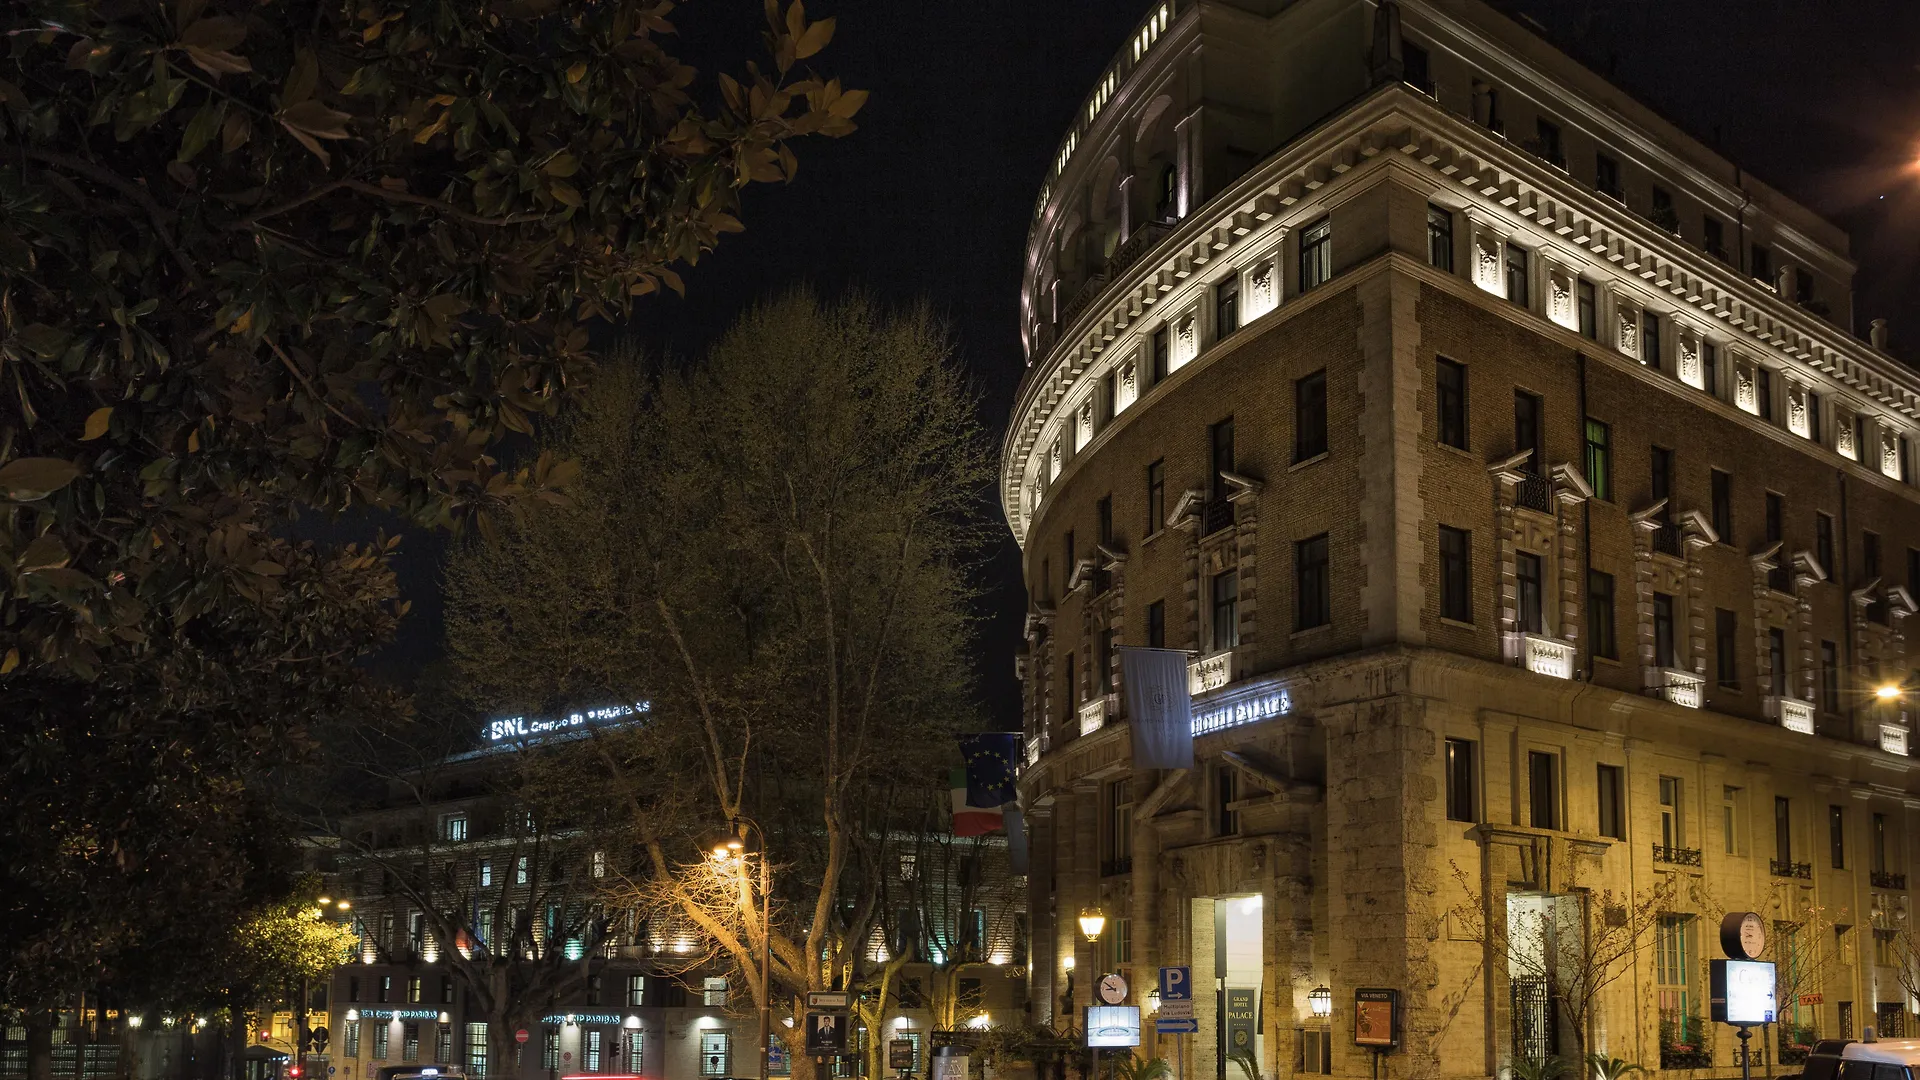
1374,1022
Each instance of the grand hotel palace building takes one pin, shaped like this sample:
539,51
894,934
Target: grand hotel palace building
1539,526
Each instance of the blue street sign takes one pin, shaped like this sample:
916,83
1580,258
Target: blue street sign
1176,984
1177,1027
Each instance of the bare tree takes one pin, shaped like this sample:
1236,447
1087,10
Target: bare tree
768,548
1575,945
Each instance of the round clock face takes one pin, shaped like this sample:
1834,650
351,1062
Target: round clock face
1753,934
1113,989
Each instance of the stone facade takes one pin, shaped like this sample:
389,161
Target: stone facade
1582,600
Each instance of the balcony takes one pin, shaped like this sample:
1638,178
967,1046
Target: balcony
1893,739
1084,297
1093,714
1533,493
1666,539
1210,672
1541,654
1682,688
1803,871
1218,514
1138,244
1116,867
1792,713
1676,856
1881,879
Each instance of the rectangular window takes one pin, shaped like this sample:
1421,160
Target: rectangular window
486,873
520,870
413,990
636,991
1723,505
1650,339
1599,460
1606,175
1073,684
1529,431
1837,835
1673,977
1870,571
1226,307
1777,661
593,1050
1612,817
1780,578
443,1042
1527,575
1226,792
1671,833
1440,237
1310,416
1662,630
1600,614
1220,449
446,989
1517,275
1414,67
1450,392
1117,835
1157,625
1543,797
385,993
1313,588
453,827
1726,649
1103,518
1823,542
1730,819
1589,309
1661,478
477,1048
1103,663
550,1051
593,989
1664,214
1762,264
1461,804
1763,391
352,1046
713,992
1456,575
353,981
1551,148
716,1054
1156,497
1710,368
1226,610
1316,253
1783,830
637,1053
1066,564
1879,841
1162,353
1829,677
381,1046
1715,232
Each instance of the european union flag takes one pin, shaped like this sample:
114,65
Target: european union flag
989,757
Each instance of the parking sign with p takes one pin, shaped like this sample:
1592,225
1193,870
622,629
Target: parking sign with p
1176,983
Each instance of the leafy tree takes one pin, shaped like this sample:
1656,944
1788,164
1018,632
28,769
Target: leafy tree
266,260
767,547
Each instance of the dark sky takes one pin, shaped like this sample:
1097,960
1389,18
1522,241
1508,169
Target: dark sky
932,196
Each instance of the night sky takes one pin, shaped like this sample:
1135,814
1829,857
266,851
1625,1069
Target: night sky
970,98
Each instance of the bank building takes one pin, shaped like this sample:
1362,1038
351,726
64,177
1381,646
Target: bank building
1538,515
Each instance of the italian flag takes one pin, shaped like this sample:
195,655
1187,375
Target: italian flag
971,820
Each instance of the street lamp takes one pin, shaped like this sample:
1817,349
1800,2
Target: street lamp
1092,921
733,847
1320,1001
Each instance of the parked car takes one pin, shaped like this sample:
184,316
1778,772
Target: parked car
1846,1059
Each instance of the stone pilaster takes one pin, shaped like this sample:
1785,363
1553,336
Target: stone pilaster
1391,506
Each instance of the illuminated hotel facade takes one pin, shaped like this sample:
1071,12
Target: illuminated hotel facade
1538,526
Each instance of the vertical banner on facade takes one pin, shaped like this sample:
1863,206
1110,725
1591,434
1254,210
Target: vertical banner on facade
1159,707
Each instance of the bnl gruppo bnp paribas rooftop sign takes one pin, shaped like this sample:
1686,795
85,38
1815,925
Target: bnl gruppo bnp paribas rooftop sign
527,728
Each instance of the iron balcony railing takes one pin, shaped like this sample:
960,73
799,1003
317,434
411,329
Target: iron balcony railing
1532,493
1676,856
1803,871
1138,244
1666,539
1881,879
1219,515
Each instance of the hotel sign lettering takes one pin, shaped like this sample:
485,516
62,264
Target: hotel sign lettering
522,727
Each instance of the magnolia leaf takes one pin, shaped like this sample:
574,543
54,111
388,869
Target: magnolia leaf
216,33
814,39
27,479
302,80
577,72
218,62
847,104
562,164
316,120
200,130
269,568
97,423
12,661
566,194
235,132
45,553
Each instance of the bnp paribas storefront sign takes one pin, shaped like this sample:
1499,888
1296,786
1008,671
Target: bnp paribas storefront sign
528,728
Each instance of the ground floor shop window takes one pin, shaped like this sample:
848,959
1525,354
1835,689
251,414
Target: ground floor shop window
716,1055
477,1049
443,1044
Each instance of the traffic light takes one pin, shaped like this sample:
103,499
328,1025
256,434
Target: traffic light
294,1071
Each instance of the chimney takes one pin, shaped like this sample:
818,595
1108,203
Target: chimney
1878,334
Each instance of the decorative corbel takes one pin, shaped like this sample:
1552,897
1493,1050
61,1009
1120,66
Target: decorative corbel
1186,512
1648,519
1698,531
1569,484
1507,470
1807,569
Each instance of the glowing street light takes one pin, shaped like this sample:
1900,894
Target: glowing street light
1092,921
1320,1001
